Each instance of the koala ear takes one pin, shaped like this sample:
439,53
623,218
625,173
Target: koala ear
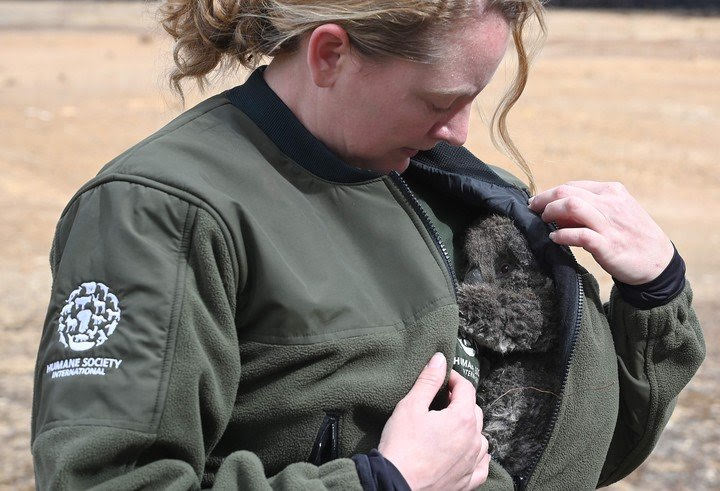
474,277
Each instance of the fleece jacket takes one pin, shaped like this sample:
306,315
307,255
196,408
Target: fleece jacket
233,306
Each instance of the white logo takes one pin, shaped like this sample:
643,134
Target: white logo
89,317
467,346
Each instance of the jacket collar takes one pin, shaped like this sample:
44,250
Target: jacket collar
263,106
457,172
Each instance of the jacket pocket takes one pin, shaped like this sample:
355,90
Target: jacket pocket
326,442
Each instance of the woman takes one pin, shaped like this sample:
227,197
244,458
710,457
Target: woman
256,290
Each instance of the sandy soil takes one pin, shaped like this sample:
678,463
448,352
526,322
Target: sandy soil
613,96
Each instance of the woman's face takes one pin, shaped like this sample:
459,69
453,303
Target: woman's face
389,110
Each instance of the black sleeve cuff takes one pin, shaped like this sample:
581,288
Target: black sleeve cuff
658,291
378,474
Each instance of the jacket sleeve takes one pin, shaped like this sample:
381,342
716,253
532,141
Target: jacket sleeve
138,365
658,351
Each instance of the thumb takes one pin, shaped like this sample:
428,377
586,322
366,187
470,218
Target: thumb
428,382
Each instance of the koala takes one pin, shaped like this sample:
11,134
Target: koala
508,310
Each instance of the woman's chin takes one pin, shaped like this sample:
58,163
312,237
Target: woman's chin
401,165
397,165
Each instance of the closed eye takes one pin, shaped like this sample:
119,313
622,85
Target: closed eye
439,109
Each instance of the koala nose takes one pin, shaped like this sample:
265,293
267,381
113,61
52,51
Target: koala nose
474,277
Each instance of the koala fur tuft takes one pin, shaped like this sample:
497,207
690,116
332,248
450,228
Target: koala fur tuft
508,308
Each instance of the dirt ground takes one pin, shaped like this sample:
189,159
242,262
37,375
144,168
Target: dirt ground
613,96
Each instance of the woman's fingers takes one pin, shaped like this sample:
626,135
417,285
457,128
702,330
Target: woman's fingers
586,238
604,219
484,447
574,212
598,187
479,417
427,384
482,462
462,393
481,472
443,449
482,465
539,202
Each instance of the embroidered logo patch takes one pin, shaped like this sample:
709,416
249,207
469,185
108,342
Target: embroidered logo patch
466,362
89,317
467,346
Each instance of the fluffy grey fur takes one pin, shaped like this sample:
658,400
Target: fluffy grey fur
507,307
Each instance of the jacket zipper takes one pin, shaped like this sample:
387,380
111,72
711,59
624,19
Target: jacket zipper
522,481
415,204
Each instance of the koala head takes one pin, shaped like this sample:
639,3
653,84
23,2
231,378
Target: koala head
507,304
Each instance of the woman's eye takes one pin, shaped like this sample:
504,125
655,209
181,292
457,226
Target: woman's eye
439,108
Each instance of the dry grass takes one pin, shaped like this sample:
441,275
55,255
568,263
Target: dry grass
631,97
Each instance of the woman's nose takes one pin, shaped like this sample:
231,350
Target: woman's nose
454,129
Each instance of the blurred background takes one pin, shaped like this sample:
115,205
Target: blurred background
626,90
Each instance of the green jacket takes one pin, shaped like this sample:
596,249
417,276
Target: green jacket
231,302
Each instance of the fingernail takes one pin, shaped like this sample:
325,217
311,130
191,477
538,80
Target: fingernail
552,235
437,360
530,200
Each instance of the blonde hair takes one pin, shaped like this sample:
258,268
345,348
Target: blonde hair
212,34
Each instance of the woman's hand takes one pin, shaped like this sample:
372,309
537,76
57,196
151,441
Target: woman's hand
603,219
437,449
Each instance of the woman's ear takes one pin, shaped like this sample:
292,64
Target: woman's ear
328,52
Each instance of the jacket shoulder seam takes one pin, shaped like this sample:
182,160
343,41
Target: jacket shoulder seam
185,195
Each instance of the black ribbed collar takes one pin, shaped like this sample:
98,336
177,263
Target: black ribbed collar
258,101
